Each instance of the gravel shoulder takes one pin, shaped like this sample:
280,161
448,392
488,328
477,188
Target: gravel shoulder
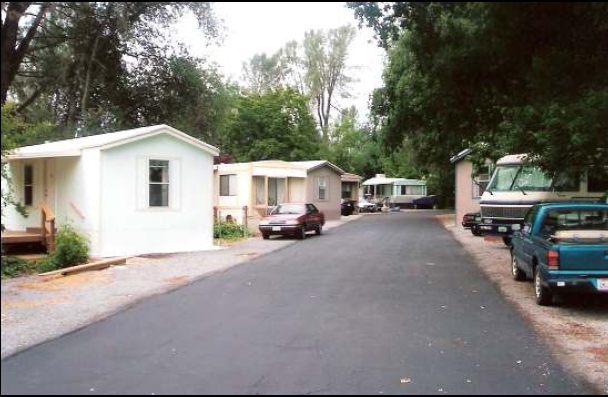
576,329
36,310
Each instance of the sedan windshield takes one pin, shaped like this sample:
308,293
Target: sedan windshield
289,210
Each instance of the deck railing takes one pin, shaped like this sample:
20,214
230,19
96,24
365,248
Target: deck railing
48,227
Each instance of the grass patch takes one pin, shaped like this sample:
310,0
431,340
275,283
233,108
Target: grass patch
229,231
14,267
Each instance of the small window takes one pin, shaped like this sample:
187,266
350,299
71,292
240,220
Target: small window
598,182
159,183
228,185
347,190
28,185
322,189
480,185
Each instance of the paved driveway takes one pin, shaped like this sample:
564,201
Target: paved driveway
387,305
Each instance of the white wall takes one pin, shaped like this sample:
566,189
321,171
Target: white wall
77,195
232,205
465,203
129,226
297,190
13,220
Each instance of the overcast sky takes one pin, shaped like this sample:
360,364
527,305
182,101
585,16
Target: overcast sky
252,28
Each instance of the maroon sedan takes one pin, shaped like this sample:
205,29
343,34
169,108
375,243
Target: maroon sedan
293,220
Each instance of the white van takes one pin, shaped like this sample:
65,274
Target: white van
517,186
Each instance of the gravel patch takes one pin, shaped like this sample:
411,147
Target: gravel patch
576,329
36,310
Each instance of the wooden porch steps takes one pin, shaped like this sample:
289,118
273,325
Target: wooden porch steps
11,238
44,235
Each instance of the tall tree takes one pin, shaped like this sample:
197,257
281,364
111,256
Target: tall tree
519,77
89,35
183,92
17,37
353,147
274,126
263,73
317,68
325,61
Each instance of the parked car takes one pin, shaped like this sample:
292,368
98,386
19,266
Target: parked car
564,248
366,206
293,220
428,202
472,221
348,207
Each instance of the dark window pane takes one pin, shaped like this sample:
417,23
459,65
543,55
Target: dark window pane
28,175
227,185
159,171
29,195
598,182
159,195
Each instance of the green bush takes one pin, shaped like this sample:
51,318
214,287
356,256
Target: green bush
45,265
71,249
226,230
14,267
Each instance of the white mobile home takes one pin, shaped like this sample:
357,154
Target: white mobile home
394,191
142,191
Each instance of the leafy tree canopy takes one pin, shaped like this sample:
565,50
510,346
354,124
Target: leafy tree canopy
517,77
276,125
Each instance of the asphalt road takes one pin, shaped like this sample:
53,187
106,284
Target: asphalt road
387,305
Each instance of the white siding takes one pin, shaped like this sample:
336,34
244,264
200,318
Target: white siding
13,220
129,226
77,189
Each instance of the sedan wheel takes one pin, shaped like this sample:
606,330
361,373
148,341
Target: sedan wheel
319,230
303,233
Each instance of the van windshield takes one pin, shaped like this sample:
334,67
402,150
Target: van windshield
516,178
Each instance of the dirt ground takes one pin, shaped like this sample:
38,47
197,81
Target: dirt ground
576,329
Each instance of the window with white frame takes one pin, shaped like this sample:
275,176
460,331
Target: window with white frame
322,187
228,185
480,184
28,185
159,184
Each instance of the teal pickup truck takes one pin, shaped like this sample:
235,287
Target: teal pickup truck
564,248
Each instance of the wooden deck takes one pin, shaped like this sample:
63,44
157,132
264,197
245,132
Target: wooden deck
9,237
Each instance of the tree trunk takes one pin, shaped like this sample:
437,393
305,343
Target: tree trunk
13,51
87,80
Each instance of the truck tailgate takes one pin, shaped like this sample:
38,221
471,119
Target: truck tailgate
583,257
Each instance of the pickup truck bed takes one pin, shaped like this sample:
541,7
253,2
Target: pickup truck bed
570,260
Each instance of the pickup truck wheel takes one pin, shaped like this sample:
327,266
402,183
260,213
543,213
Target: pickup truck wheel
518,274
544,296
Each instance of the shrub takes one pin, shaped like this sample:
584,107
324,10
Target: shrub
71,249
226,230
14,267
